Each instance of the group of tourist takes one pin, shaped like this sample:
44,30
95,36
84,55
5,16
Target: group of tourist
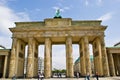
87,77
59,75
77,75
40,76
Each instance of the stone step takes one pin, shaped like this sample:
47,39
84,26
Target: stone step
105,78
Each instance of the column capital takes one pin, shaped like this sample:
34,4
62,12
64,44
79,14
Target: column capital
96,38
48,38
13,37
68,40
30,38
68,37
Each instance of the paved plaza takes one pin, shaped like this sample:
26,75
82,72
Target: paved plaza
103,78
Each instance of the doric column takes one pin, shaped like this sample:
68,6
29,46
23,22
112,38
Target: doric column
69,57
36,59
67,66
17,58
98,57
82,58
47,58
104,57
111,64
12,65
5,66
94,55
51,59
118,64
87,55
115,63
30,58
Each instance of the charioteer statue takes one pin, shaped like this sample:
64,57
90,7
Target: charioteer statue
57,14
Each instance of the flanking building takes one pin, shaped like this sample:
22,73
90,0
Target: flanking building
4,61
113,54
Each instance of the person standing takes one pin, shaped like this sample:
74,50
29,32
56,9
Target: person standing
97,76
14,77
88,76
77,74
42,76
39,76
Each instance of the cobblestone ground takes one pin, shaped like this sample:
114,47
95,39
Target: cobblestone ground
105,78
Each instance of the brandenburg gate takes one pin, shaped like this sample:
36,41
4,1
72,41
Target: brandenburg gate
57,31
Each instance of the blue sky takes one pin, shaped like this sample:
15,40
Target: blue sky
37,10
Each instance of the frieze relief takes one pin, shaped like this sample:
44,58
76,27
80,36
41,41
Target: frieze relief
57,34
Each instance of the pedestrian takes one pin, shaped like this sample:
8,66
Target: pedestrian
60,74
42,76
77,74
97,76
87,76
39,76
14,77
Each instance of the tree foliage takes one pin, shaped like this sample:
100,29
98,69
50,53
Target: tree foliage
58,71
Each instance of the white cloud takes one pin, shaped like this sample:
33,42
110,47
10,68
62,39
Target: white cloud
6,41
56,7
7,19
106,17
110,40
59,62
2,2
118,0
86,3
100,1
62,0
22,16
92,3
37,9
66,8
59,56
61,9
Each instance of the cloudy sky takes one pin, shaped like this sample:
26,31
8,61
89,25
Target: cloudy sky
37,10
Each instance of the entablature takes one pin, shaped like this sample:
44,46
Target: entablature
58,22
71,28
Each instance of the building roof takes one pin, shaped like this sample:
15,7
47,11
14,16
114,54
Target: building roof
117,44
2,47
78,59
113,47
